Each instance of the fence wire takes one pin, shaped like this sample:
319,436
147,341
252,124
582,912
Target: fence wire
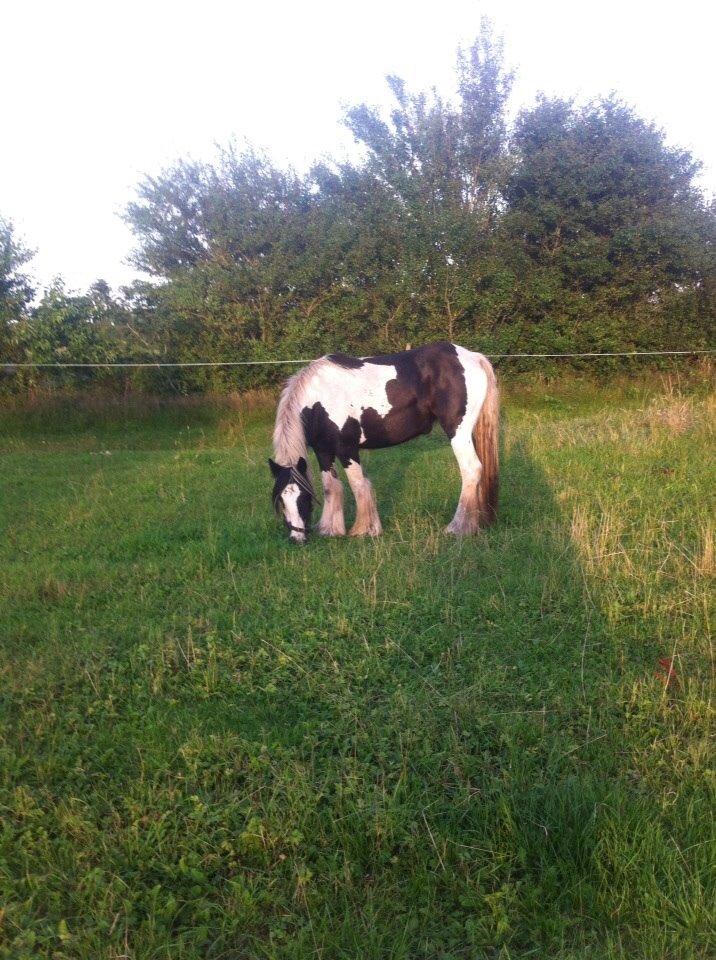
7,365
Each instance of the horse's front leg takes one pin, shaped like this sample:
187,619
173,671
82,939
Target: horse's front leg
367,522
332,522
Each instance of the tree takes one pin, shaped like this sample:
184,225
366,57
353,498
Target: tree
66,327
16,290
577,228
605,228
363,256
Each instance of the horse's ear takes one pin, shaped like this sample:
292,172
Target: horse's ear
302,466
275,469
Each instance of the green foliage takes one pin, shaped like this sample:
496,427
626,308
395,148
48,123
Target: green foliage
215,746
575,228
65,326
579,229
613,243
15,288
94,327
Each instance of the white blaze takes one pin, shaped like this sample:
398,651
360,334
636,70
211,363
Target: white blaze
289,499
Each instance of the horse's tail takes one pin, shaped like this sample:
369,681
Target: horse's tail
485,436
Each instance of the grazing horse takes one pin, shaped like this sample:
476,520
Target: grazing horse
339,405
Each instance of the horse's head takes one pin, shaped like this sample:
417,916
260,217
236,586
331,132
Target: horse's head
293,498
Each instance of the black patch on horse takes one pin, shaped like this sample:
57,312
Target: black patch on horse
344,360
327,439
431,383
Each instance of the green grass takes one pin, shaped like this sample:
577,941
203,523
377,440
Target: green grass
214,745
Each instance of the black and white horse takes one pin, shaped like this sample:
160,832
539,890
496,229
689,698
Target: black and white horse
339,405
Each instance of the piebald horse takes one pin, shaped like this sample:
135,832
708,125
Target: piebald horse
339,405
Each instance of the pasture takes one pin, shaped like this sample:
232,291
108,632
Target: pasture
216,745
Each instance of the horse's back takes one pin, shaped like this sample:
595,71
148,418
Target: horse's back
387,399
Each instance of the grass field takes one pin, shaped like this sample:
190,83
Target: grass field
214,745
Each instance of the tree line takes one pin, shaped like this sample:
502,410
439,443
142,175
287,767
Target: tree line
573,227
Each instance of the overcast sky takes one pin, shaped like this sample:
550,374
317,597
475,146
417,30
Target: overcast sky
96,94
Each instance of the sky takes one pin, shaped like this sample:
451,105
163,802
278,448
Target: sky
98,94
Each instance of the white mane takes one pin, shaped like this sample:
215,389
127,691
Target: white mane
289,439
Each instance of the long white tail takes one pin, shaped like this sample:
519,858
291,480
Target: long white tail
485,436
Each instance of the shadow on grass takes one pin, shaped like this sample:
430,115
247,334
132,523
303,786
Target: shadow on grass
472,735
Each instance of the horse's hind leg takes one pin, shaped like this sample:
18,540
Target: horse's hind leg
332,522
367,523
467,515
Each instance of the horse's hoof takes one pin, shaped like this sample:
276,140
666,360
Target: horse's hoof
326,531
369,532
460,531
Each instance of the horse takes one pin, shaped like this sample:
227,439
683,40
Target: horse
339,405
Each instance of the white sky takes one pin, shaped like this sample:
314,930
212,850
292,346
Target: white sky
95,94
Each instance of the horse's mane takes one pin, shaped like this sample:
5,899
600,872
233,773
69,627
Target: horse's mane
289,439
